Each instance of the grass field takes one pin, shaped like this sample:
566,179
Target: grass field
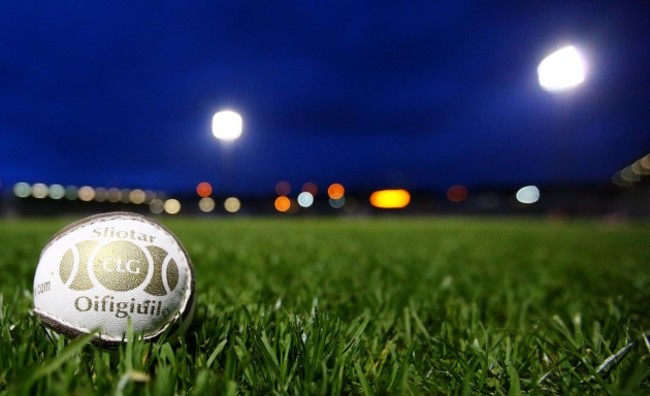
364,306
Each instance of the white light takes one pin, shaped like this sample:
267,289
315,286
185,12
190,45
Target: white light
137,196
227,125
305,199
57,191
528,195
172,206
125,193
645,163
86,193
22,190
156,206
114,195
40,190
101,194
206,204
561,70
628,175
232,205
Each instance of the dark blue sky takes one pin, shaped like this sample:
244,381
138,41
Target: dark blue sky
371,94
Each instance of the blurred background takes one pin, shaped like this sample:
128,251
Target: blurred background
226,108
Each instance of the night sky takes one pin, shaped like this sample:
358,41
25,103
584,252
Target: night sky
372,94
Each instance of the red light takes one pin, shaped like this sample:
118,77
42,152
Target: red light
283,188
457,193
204,189
310,188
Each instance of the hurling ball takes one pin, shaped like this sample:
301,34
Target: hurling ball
97,273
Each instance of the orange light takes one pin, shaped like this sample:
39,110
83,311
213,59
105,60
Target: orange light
282,204
457,193
204,189
390,199
336,191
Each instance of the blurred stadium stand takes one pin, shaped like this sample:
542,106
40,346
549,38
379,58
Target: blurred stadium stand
612,202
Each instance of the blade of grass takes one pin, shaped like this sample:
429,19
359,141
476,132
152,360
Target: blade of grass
68,352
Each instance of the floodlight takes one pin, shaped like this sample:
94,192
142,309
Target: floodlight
227,125
561,70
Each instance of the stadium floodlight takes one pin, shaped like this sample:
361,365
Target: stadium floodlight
562,70
227,125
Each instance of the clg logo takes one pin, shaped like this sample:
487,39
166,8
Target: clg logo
118,266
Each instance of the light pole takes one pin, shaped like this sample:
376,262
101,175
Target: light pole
560,72
227,126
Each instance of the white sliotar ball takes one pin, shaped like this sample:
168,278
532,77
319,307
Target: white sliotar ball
100,271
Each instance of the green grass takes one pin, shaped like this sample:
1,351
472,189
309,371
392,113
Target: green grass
364,306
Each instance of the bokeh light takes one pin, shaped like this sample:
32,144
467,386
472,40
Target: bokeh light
160,195
626,174
457,193
22,190
114,195
645,164
204,189
40,190
282,204
561,70
101,194
206,204
283,187
57,191
619,181
305,199
86,193
311,188
634,173
227,125
156,206
172,206
337,203
125,195
336,191
528,195
232,205
390,199
71,193
137,196
149,195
